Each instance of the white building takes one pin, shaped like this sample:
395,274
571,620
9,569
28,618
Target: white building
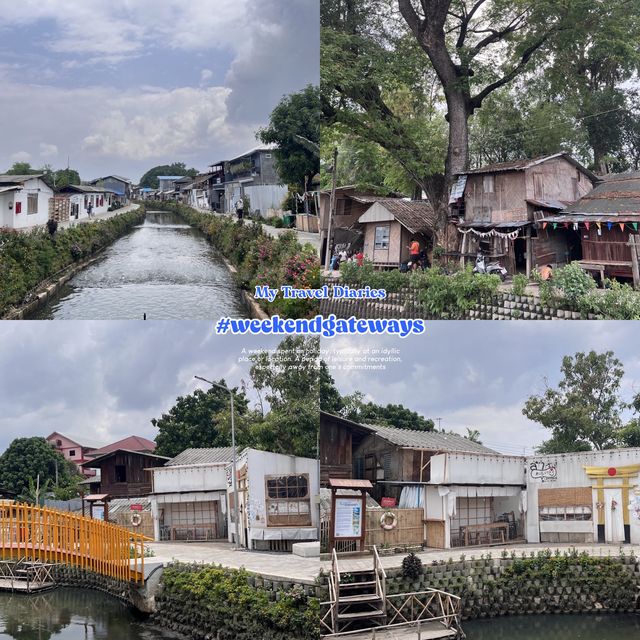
189,495
24,201
81,196
591,496
277,497
473,498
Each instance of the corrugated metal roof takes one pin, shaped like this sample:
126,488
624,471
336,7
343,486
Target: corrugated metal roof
118,505
202,456
618,195
434,441
6,179
417,216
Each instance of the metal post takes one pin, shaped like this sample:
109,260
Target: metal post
332,205
235,474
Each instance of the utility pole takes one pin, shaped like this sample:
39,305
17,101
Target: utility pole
332,206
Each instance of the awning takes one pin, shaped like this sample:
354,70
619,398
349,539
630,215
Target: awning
96,497
592,217
12,188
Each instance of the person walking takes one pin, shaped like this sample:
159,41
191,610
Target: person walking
240,209
89,209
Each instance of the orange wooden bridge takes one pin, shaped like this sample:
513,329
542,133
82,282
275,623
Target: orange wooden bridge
39,534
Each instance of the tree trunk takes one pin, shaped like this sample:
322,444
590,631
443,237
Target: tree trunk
458,151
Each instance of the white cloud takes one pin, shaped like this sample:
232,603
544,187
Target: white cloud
205,76
48,150
160,123
21,156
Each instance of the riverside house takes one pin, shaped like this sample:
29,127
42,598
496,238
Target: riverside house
73,450
24,201
277,497
495,208
122,188
81,196
604,222
189,496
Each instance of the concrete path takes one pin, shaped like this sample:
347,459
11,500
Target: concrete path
304,237
101,216
283,566
364,562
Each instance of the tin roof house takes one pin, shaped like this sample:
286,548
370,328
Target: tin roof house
495,209
605,222
24,201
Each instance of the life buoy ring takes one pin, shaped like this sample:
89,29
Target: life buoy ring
136,519
388,520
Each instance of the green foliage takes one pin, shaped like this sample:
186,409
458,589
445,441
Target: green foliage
25,459
583,412
520,282
619,301
27,259
330,398
150,178
294,126
201,419
22,169
411,566
451,296
393,415
259,258
229,603
574,283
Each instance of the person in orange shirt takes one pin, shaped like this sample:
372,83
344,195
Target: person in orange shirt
360,258
414,253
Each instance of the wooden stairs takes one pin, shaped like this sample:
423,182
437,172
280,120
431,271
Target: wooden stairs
360,609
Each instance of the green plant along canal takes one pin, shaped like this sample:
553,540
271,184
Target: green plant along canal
164,269
72,614
555,627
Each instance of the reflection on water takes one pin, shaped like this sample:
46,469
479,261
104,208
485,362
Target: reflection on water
72,614
555,627
163,268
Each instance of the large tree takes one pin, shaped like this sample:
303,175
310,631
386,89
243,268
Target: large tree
200,420
583,411
289,380
150,178
294,126
27,458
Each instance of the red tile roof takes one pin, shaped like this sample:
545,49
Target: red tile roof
131,443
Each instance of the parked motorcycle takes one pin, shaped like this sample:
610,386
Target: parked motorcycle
489,268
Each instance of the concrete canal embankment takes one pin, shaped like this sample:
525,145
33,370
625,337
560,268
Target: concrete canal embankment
208,601
505,583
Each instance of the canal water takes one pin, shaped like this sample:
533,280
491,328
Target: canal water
72,614
555,627
163,268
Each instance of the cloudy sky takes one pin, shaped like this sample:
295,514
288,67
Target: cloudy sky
479,374
120,86
102,381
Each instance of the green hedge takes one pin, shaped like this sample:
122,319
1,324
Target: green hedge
259,258
28,259
211,601
443,295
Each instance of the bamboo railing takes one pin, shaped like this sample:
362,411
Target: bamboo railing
46,535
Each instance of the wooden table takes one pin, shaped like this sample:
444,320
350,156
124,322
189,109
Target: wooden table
501,527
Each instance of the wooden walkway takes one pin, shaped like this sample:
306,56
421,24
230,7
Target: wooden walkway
427,631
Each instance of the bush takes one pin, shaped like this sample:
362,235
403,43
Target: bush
520,282
227,603
574,283
618,302
28,259
411,566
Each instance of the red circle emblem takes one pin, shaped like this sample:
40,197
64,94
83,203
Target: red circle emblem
612,471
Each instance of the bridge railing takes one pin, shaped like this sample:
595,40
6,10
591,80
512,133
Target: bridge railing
39,533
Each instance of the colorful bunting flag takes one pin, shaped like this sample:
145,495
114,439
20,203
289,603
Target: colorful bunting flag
598,225
622,226
587,224
609,225
544,225
635,226
555,225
